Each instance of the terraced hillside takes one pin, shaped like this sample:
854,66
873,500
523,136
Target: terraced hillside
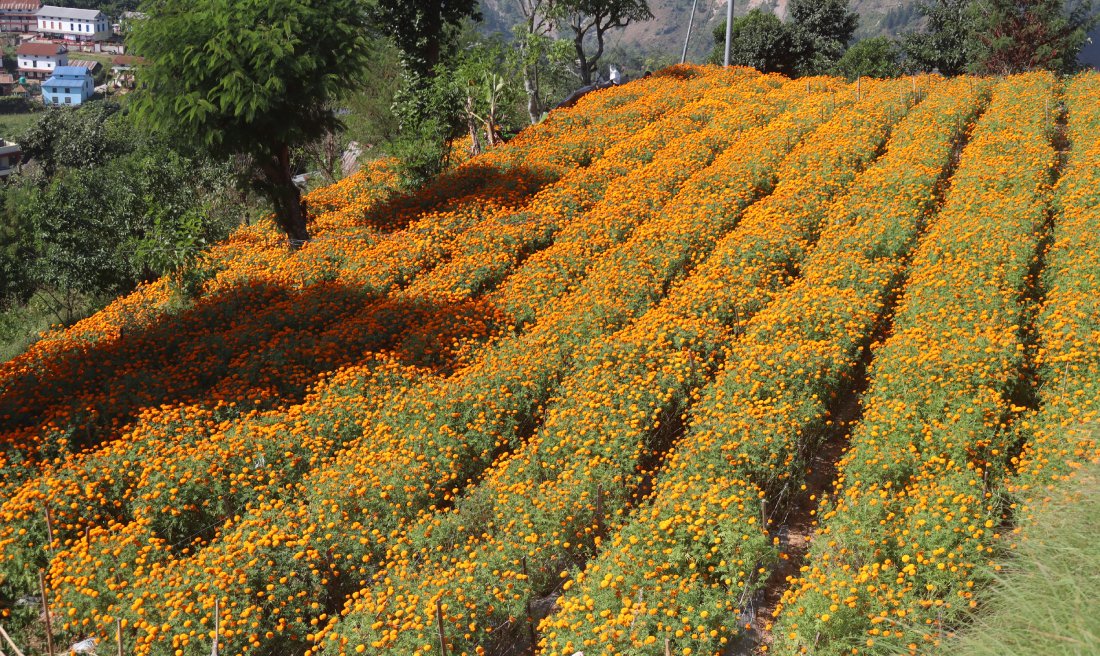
712,362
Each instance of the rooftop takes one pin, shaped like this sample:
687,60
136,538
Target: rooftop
84,63
20,5
40,48
127,60
68,71
50,11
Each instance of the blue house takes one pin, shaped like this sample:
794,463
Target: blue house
69,85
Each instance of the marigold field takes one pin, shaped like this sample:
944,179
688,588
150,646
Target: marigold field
713,362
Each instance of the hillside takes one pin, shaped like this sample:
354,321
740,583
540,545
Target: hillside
664,35
711,359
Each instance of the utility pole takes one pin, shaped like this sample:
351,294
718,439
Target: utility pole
691,19
729,29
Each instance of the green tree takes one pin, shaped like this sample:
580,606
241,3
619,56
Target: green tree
943,45
429,111
95,232
421,29
875,57
533,39
758,39
823,29
591,20
1013,36
70,137
16,286
255,77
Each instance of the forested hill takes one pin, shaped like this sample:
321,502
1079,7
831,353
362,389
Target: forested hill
664,35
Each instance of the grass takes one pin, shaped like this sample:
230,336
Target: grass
12,126
21,325
1047,599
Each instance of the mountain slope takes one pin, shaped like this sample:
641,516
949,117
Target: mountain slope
663,37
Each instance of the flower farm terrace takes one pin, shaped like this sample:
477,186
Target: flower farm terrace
713,362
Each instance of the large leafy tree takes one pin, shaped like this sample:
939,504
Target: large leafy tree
421,29
533,39
823,28
1012,36
760,40
251,77
944,43
875,57
591,20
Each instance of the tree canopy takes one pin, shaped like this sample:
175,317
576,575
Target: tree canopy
592,20
419,28
875,57
1013,36
253,77
944,43
824,28
760,40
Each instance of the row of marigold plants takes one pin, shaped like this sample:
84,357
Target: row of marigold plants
66,394
489,560
177,499
91,491
336,511
682,569
916,514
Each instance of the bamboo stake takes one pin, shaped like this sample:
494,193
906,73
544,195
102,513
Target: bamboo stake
49,525
11,644
217,628
530,616
439,626
118,635
668,651
46,611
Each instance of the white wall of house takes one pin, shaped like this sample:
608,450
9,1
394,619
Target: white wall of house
75,28
44,63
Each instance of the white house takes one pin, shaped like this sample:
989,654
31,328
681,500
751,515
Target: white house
18,15
73,24
38,60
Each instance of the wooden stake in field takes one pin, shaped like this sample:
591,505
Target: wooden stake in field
118,635
46,611
49,525
439,626
217,628
7,639
530,616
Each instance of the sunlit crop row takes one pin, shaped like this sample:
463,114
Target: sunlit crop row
597,439
486,253
375,487
298,340
917,508
680,569
247,300
1066,431
138,530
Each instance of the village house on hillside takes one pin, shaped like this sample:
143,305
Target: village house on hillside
10,156
70,85
73,24
38,60
19,15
